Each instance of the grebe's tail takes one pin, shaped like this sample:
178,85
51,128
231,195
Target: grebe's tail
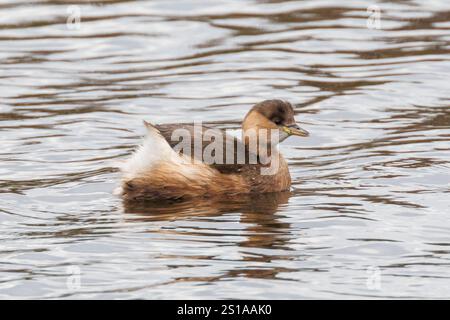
155,171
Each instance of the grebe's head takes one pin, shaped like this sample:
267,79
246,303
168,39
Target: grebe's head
273,114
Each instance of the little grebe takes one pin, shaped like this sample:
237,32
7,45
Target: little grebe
159,171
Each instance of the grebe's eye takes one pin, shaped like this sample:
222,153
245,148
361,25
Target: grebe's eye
277,121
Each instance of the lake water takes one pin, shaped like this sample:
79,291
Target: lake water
369,211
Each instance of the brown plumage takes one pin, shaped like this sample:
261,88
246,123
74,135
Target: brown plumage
158,172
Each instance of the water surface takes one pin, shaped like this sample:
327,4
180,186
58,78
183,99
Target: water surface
368,214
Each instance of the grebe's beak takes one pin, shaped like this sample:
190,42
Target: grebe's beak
295,130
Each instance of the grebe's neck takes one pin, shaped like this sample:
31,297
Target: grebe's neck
258,130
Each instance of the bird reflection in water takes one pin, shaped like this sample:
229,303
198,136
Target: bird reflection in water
260,213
